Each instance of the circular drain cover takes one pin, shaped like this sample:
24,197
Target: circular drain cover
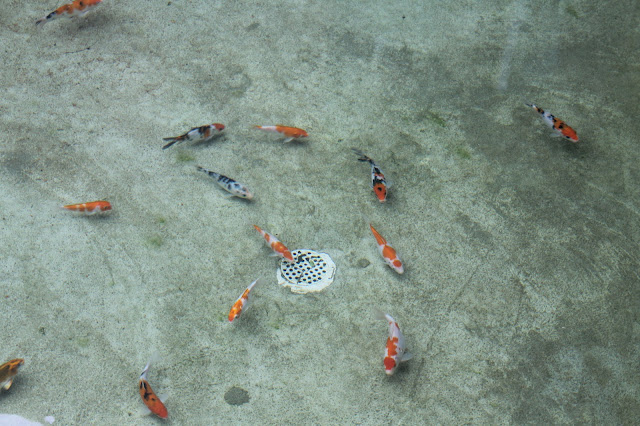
312,271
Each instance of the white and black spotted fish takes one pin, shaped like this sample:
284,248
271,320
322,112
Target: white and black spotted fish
196,134
231,186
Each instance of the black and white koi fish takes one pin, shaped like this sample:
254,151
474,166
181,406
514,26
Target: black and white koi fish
378,183
231,186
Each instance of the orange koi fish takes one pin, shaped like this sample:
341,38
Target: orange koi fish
560,127
378,183
395,352
277,247
198,134
8,371
77,8
290,133
388,253
89,208
153,403
242,303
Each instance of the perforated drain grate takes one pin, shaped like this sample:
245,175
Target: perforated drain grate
312,271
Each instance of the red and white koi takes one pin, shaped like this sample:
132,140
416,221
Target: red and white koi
275,244
234,188
290,133
90,208
395,351
77,8
560,127
378,183
8,371
387,252
197,134
242,303
149,397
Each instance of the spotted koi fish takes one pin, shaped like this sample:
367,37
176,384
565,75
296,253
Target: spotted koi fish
395,352
234,188
277,247
77,8
196,134
149,397
8,371
290,133
560,127
387,252
89,208
378,183
242,303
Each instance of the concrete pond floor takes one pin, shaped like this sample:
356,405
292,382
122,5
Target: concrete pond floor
520,296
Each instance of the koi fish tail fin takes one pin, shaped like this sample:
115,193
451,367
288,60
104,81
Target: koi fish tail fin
362,156
155,357
534,107
379,238
41,21
255,283
380,315
209,172
171,141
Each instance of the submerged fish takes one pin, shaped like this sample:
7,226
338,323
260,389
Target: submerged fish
89,208
378,183
242,303
198,134
77,8
395,351
275,244
560,127
387,252
149,397
231,186
8,371
290,133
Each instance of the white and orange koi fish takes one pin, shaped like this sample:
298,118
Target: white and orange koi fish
234,188
149,397
378,183
387,252
8,371
275,244
560,127
196,134
395,352
77,8
89,208
242,303
290,133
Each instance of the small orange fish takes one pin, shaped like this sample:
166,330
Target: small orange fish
278,248
8,371
198,134
242,303
89,208
388,253
290,133
560,127
77,8
378,183
153,403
